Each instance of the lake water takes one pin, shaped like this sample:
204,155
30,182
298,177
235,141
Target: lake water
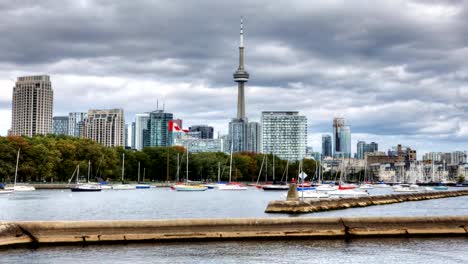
162,203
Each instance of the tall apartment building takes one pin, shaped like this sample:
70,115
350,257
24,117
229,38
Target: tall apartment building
76,121
341,138
32,106
60,125
105,127
326,146
158,133
284,134
458,157
254,137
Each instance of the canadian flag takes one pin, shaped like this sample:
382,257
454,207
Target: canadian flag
174,127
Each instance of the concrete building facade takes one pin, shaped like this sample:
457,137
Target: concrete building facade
284,133
105,127
32,106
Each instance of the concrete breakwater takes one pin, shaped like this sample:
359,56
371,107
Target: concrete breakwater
310,206
108,232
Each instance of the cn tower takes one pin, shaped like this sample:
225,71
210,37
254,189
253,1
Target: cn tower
241,76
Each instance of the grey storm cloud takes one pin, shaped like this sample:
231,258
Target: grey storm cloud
394,69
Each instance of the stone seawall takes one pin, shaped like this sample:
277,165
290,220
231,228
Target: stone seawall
300,207
108,232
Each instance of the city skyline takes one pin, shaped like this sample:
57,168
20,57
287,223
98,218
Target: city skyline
392,81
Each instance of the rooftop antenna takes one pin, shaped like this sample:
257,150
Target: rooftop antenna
157,104
164,105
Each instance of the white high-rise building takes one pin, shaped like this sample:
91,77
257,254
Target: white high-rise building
32,106
141,124
284,134
76,124
105,127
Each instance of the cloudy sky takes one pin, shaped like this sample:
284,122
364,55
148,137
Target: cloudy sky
396,70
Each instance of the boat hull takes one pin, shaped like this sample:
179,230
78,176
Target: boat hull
84,190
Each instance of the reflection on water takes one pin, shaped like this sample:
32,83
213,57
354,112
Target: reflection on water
381,251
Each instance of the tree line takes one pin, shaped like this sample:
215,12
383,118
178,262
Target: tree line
54,158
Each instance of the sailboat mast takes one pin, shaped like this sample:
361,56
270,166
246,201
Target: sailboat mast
144,172
178,165
266,169
219,171
89,168
186,170
123,166
260,172
78,174
17,162
230,163
138,171
273,156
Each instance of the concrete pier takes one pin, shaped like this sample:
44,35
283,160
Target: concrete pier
108,232
310,206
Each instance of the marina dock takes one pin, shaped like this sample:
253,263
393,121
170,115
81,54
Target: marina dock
298,206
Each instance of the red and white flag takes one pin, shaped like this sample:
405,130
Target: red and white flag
174,127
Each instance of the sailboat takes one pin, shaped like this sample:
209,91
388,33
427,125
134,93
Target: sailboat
281,186
346,190
187,187
84,187
365,185
123,186
230,186
141,185
19,188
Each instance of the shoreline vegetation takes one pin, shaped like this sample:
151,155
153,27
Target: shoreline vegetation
53,158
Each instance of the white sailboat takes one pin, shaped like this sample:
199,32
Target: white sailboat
365,185
85,187
231,186
187,187
19,188
123,186
141,185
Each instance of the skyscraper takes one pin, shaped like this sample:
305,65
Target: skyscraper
126,136
60,125
284,134
133,135
158,133
238,125
363,148
326,146
105,127
206,132
341,139
32,106
254,137
76,124
141,124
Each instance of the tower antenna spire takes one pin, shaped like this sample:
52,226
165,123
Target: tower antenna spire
241,76
241,42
